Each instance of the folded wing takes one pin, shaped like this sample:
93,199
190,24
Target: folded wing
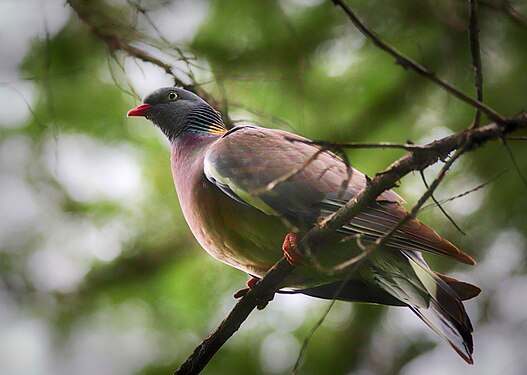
285,175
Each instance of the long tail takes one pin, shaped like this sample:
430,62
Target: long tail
438,305
434,298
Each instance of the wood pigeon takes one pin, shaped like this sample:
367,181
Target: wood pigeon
247,192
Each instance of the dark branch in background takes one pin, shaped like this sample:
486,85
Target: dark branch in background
438,204
480,186
515,163
506,7
408,63
476,57
329,144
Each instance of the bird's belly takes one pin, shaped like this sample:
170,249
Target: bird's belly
236,234
248,239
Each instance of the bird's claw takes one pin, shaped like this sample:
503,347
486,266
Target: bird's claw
241,293
251,283
262,300
291,249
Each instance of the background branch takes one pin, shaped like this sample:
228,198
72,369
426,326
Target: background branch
506,7
476,56
408,63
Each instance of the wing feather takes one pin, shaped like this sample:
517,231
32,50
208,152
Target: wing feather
282,174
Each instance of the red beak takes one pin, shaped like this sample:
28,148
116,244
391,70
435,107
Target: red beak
139,111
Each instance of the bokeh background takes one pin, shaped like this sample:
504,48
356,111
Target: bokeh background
99,273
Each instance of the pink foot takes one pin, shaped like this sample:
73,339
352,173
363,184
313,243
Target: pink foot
251,283
291,250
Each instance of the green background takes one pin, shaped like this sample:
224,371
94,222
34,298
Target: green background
99,273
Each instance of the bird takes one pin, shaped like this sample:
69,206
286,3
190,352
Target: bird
248,193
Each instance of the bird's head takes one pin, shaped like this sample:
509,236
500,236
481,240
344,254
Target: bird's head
177,111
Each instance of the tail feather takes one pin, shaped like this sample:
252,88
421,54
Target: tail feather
404,279
360,291
459,338
445,314
464,290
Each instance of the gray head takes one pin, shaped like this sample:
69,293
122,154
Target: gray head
177,111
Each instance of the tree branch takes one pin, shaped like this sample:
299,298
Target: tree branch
408,63
465,193
353,145
438,204
476,57
506,7
116,41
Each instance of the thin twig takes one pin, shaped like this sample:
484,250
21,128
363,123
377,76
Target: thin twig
324,315
263,115
366,250
476,57
506,7
514,162
441,207
286,177
359,145
131,91
310,335
480,186
115,41
37,119
408,63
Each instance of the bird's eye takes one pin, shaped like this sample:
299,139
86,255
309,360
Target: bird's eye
172,96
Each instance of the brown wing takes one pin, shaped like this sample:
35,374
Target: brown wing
413,235
280,174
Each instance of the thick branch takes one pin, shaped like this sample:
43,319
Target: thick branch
412,161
